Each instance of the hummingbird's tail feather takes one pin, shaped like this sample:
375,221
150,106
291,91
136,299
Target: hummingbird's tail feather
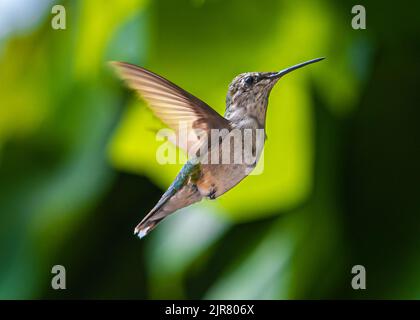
172,200
154,216
143,228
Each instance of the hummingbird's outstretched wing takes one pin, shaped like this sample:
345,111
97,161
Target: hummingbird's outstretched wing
171,104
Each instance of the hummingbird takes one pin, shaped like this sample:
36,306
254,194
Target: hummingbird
246,108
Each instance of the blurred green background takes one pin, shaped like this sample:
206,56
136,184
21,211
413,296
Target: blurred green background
340,185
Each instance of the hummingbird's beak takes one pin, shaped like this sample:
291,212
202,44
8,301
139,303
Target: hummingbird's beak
281,73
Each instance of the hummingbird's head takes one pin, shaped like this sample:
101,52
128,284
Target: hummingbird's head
250,86
249,91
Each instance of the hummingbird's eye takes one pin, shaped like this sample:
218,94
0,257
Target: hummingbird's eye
249,80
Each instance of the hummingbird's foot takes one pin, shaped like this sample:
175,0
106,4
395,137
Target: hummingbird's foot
212,194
